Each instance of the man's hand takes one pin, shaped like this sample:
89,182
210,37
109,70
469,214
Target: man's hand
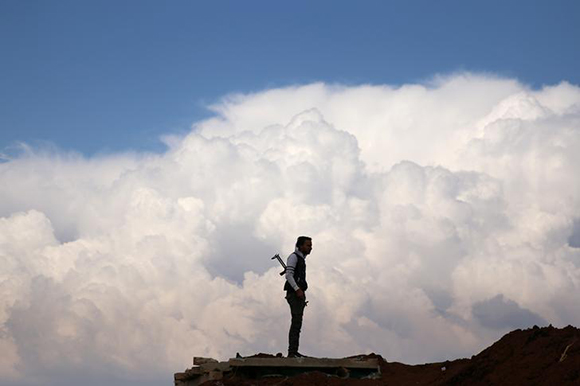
300,293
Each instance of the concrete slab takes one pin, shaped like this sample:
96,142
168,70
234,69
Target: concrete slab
202,360
210,369
348,363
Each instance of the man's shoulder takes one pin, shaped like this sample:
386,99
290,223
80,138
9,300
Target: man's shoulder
295,256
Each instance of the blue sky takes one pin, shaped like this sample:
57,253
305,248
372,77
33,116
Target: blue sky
106,76
448,213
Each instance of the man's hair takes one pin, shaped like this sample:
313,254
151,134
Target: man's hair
301,240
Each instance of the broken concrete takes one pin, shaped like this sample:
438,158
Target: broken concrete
208,369
306,362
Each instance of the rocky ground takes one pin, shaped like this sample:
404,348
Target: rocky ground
536,356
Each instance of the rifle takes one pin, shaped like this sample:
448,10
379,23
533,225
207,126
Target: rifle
277,256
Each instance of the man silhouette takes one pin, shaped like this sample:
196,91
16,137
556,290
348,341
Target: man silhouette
296,287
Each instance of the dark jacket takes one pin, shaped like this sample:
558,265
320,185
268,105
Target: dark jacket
299,275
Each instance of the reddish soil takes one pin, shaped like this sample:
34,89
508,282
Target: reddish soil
536,356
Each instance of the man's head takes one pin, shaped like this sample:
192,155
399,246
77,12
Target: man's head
304,245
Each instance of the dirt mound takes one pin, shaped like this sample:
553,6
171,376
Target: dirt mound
536,356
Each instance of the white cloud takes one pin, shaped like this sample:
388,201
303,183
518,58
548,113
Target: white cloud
431,207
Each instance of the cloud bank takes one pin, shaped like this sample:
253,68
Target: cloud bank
443,215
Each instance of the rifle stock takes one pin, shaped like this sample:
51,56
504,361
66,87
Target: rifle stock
277,256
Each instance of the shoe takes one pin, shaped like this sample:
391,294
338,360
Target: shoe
296,355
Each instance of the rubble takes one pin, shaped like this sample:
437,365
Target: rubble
263,366
535,356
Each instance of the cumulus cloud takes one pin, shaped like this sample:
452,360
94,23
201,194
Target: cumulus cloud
443,214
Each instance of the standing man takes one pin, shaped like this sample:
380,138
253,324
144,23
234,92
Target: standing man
295,287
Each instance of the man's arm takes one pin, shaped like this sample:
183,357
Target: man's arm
290,267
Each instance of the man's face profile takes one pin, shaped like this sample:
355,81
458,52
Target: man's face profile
306,247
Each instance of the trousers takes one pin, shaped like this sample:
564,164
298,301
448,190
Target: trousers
297,311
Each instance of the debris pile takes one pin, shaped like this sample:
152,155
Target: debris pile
265,366
536,356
